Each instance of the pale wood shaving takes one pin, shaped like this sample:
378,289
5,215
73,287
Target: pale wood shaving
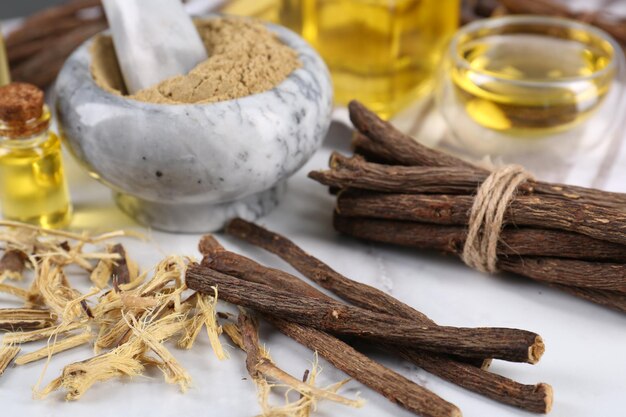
78,377
7,354
151,336
101,274
54,348
36,335
54,288
264,369
128,323
207,310
15,291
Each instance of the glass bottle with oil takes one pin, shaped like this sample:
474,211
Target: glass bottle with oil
531,75
5,76
33,187
381,52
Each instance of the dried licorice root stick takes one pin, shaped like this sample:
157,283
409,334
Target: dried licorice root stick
385,142
602,223
550,269
404,150
450,239
357,173
259,365
395,387
34,24
25,318
359,294
534,398
43,68
390,384
508,344
592,275
230,263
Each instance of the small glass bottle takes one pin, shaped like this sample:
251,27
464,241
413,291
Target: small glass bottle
33,187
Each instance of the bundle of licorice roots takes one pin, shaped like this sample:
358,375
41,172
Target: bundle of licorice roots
396,191
332,328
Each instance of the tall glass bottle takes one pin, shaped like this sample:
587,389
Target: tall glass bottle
33,187
382,52
5,76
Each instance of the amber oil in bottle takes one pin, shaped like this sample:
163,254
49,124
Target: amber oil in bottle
381,52
5,76
532,78
33,186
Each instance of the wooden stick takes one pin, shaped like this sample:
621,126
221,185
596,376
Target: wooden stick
514,241
390,384
48,17
239,266
450,239
379,378
598,222
355,172
13,319
592,275
535,398
501,343
359,294
28,33
53,57
403,150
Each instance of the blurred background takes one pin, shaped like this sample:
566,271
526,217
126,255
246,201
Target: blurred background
13,8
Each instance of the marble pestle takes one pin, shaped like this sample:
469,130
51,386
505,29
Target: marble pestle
154,40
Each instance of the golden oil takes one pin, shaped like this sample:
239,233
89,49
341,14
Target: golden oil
532,80
33,187
267,10
5,76
381,52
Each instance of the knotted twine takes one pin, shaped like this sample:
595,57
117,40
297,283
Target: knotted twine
487,216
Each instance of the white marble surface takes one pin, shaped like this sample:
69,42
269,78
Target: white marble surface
584,360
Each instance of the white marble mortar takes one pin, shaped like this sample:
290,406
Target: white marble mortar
191,167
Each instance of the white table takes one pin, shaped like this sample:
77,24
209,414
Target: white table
584,359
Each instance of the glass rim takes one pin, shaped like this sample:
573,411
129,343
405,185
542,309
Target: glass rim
554,22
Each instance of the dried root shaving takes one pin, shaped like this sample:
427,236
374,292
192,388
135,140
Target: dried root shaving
7,354
261,368
126,316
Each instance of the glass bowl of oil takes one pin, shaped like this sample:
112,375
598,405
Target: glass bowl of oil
518,83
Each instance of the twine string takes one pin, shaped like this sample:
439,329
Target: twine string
487,216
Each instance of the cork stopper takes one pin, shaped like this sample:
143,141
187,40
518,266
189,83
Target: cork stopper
20,102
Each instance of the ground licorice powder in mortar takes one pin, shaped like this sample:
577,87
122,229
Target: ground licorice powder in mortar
244,58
